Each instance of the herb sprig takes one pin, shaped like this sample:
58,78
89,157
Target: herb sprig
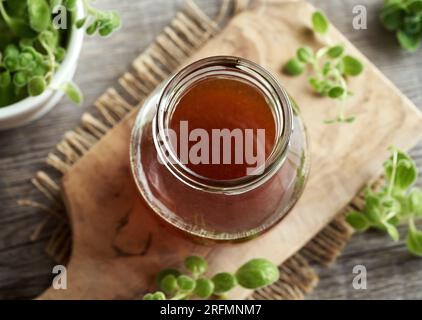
396,202
330,67
254,274
103,22
404,17
32,47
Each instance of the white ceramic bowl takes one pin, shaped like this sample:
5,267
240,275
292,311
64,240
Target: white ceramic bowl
32,108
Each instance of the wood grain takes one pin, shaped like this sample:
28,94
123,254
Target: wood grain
25,270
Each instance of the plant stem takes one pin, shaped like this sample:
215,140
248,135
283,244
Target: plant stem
89,9
4,14
393,173
412,226
181,295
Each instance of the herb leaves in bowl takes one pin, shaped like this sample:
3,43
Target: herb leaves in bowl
33,45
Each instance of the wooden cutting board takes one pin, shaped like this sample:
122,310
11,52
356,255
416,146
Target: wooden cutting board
118,247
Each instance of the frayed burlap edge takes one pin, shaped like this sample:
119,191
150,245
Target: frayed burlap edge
187,32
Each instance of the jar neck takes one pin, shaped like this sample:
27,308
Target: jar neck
238,69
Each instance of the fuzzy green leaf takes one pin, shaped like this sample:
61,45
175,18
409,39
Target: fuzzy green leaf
204,288
392,231
392,16
73,93
358,221
409,42
36,86
414,241
415,202
5,79
320,22
294,67
406,171
352,66
196,265
39,15
305,54
165,273
335,51
223,282
336,92
169,283
186,283
257,273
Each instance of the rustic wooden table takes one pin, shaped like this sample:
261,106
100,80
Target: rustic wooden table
25,270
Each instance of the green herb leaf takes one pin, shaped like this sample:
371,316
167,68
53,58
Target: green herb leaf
70,4
169,284
373,208
392,231
11,51
39,15
92,28
320,22
358,221
223,282
196,265
60,54
392,16
24,60
155,296
414,241
81,22
36,86
204,288
412,25
335,51
165,273
405,171
316,84
406,174
352,66
257,273
149,296
414,7
5,79
186,283
159,296
305,54
350,119
17,25
336,92
11,63
409,42
73,92
294,67
415,202
20,79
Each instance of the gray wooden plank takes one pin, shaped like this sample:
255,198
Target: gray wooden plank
25,270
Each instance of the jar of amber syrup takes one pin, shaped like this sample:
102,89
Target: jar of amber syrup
219,151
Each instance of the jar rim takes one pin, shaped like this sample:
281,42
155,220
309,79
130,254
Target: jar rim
238,67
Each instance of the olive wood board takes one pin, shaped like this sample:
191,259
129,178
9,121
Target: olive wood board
119,246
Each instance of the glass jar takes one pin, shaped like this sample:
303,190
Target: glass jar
217,209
